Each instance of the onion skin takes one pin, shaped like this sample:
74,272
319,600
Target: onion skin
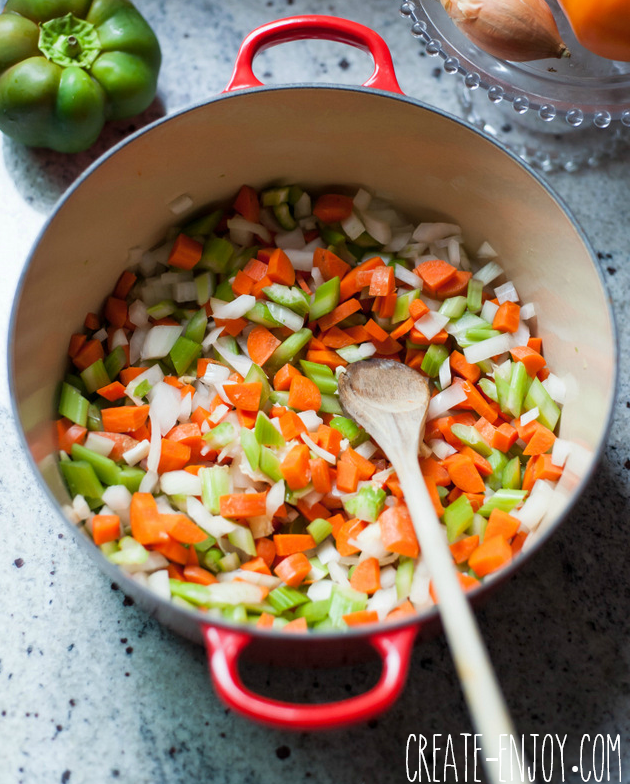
517,30
601,26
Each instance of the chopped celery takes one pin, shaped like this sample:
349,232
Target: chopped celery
211,559
285,598
477,334
279,398
474,295
115,361
289,349
130,477
81,478
435,356
196,327
519,381
205,284
224,291
453,307
204,225
344,601
162,309
73,405
216,255
318,570
331,234
220,436
458,516
401,309
260,314
319,529
75,381
256,373
95,376
131,553
326,298
295,194
183,354
321,375
273,197
203,547
351,354
502,377
349,429
94,418
314,611
498,461
538,396
192,592
291,297
366,504
284,217
470,436
478,526
504,499
330,405
511,475
251,447
489,388
105,468
404,577
215,482
266,434
143,388
270,464
236,613
229,562
242,538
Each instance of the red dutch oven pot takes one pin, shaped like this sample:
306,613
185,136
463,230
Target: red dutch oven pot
428,164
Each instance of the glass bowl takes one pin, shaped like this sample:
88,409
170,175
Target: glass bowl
562,113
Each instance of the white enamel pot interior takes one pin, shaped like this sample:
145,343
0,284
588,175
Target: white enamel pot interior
427,163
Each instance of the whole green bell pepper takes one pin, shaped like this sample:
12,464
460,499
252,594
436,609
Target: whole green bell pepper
67,66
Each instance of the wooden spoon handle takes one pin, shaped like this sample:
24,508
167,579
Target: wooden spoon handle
481,689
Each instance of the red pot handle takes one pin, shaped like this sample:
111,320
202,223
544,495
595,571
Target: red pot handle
225,646
331,28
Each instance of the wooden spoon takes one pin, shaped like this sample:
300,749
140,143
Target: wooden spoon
391,401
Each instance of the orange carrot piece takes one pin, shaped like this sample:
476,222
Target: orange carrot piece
365,468
491,555
337,338
295,467
461,550
76,342
376,332
296,626
402,329
329,264
291,425
185,253
239,505
183,530
69,433
481,464
105,528
349,284
541,441
266,549
340,313
435,273
124,419
232,327
360,617
245,396
287,544
147,525
115,311
347,477
545,469
92,322
280,269
172,550
325,357
464,474
199,575
174,455
329,439
358,333
432,469
282,379
256,269
387,305
320,475
397,531
478,402
517,543
304,394
349,530
124,284
293,569
532,360
128,374
463,368
536,344
332,207
382,282
261,343
417,309
529,475
89,352
247,204
112,392
366,576
242,283
504,437
456,286
403,610
501,523
257,565
507,317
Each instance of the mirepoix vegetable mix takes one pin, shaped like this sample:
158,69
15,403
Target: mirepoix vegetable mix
202,439
67,66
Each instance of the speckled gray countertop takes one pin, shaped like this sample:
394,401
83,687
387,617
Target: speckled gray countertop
92,690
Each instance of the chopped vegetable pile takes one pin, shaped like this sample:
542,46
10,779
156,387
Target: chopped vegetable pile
202,440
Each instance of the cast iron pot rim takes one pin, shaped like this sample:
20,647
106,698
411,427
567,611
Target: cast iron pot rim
197,617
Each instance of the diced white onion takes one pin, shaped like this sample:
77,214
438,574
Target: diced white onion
239,362
419,592
215,525
119,339
530,416
311,420
400,238
136,343
211,338
240,224
138,313
327,552
370,541
441,449
155,447
160,340
362,199
491,271
445,400
152,374
300,259
536,505
430,232
302,207
159,583
293,239
521,336
528,311
506,293
366,449
366,350
285,316
219,412
149,481
320,591
444,374
81,508
318,278
180,483
488,348
328,456
383,602
431,323
185,292
560,451
407,276
215,374
232,310
489,311
100,444
388,577
486,251
117,497
165,404
137,453
185,408
338,573
353,226
377,227
180,204
556,388
275,498
454,255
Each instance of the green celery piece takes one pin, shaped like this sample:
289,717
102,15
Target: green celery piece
324,626
279,398
314,611
537,395
503,499
273,197
192,592
73,405
284,217
76,382
270,464
251,447
366,504
130,477
242,538
196,327
215,482
349,429
470,436
295,194
224,291
489,388
238,613
478,526
288,349
319,529
511,475
143,388
104,467
284,598
260,314
433,359
179,501
81,478
457,517
474,298
326,298
229,562
114,362
211,558
502,377
266,434
131,553
108,548
318,570
331,234
240,259
95,376
220,436
344,601
204,225
498,461
216,255
94,418
321,375
162,309
403,301
477,334
330,405
442,491
205,284
519,381
404,577
203,547
183,354
291,297
256,373
350,354
453,307
366,240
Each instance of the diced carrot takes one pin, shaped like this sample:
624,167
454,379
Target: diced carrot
291,425
463,368
124,419
174,455
387,305
320,475
535,343
435,273
172,550
382,282
89,352
245,396
349,285
364,278
313,511
365,468
464,474
492,554
69,433
501,523
481,464
115,311
266,549
422,340
329,358
434,496
239,505
525,432
295,467
282,379
545,469
417,309
329,439
112,392
257,565
185,253
360,617
402,329
76,342
462,549
358,333
541,441
247,204
333,207
199,575
124,284
128,374
366,576
280,269
265,621
340,313
183,530
403,610
293,569
466,581
261,343
105,528
231,327
375,331
242,283
507,318
92,322
504,437
529,475
304,394
287,544
456,286
329,264
147,525
479,403
296,626
337,338
256,270
349,530
431,468
517,543
532,360
397,531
